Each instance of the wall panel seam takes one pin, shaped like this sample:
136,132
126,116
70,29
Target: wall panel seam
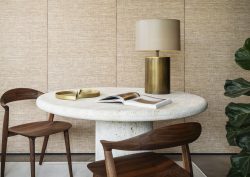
116,25
47,45
184,48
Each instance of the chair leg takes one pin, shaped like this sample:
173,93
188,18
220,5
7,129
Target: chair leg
3,157
32,156
187,159
45,142
67,144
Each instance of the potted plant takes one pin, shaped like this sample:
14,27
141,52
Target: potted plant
238,125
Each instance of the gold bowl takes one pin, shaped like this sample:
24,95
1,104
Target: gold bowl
75,95
88,93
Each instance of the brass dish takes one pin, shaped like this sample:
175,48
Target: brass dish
88,93
75,95
66,95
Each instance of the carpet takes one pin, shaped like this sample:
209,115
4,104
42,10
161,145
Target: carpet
60,169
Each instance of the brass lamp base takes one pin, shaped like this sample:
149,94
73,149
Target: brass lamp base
157,75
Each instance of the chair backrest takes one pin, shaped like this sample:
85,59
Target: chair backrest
12,95
19,94
164,137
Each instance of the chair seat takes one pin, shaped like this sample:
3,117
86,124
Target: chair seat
141,165
42,128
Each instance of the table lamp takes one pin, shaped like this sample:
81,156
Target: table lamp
157,35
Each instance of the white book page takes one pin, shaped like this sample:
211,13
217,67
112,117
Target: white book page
148,102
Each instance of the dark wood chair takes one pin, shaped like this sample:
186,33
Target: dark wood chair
149,164
31,130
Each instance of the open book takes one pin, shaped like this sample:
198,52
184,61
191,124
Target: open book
134,99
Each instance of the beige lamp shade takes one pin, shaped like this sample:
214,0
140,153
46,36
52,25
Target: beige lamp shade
158,34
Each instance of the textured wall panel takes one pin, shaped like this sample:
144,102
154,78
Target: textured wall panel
82,53
214,31
23,58
82,43
83,38
130,63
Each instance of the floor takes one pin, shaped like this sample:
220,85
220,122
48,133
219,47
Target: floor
211,165
60,169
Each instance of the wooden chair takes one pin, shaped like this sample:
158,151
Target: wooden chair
31,130
149,164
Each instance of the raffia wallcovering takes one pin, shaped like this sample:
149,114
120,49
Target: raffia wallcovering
23,58
59,44
81,53
214,31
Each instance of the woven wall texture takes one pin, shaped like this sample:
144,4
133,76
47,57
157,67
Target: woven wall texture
59,44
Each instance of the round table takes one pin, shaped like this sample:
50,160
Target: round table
116,121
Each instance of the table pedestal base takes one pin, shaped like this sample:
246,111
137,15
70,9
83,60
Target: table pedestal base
115,131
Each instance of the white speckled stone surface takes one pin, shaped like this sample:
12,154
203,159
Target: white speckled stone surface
116,121
115,131
184,105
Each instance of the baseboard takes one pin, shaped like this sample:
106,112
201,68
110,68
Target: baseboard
50,153
94,153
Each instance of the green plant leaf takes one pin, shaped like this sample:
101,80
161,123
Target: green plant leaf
243,141
242,55
238,126
247,44
233,133
234,173
238,114
241,163
237,87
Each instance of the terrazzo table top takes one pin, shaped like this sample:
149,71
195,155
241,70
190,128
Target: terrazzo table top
183,105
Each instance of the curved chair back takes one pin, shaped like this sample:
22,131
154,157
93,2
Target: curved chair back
164,137
18,94
12,95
